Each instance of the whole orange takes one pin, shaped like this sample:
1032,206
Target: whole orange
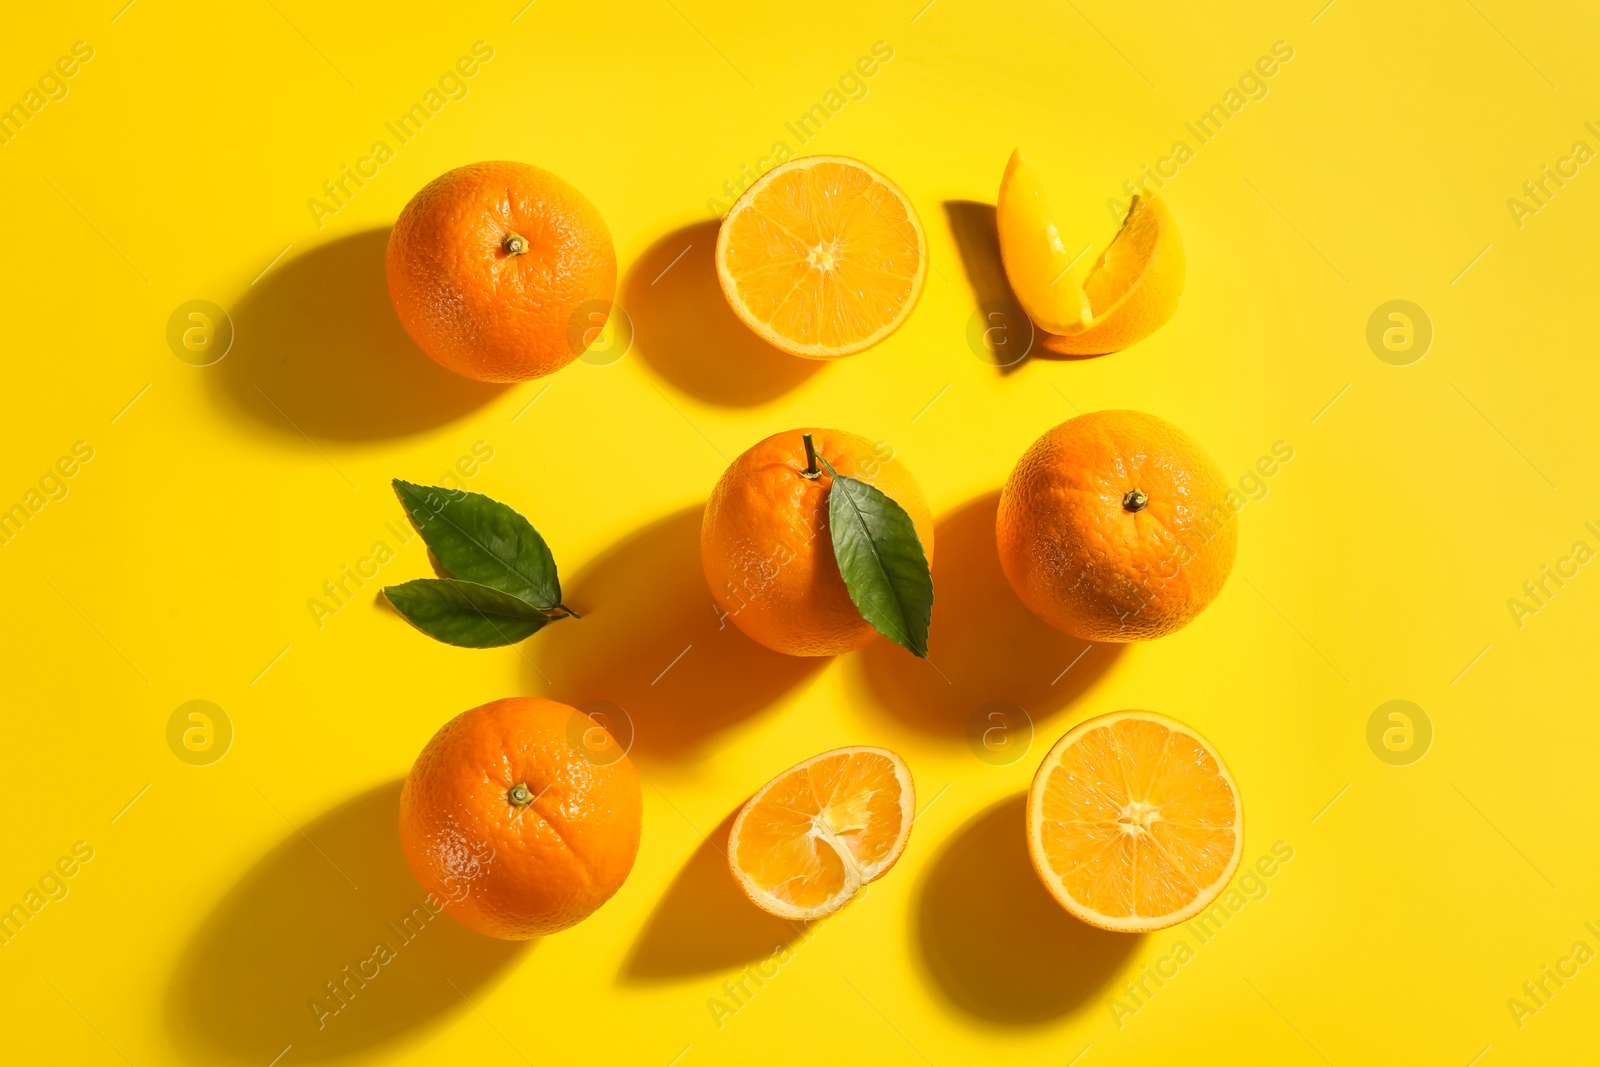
1116,526
500,271
521,817
767,550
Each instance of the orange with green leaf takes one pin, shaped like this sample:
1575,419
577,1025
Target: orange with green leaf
815,541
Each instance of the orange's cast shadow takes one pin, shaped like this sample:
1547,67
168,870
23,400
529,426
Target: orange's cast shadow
653,642
1006,338
704,923
994,941
984,644
977,234
304,927
685,330
318,351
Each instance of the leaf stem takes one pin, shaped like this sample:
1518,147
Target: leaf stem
820,458
811,470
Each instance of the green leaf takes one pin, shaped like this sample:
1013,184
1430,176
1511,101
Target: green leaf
480,540
881,559
465,613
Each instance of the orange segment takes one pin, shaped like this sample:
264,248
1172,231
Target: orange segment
1134,286
1087,307
810,838
1134,823
822,256
1035,254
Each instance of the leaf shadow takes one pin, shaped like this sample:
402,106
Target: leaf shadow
996,944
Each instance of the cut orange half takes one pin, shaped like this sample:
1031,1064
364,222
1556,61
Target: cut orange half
1134,823
813,836
822,257
1087,307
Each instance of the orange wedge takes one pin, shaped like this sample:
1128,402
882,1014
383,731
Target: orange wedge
813,836
822,257
1087,307
1134,823
1034,252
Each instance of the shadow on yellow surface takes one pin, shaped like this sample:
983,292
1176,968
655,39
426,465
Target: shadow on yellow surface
704,922
684,328
977,236
984,644
995,942
246,985
651,642
1007,326
318,349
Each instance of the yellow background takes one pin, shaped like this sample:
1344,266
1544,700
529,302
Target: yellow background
1377,567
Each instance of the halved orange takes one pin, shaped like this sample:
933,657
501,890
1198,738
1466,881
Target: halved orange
822,257
1134,823
814,835
1087,307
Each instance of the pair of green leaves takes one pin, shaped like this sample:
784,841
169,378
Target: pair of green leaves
503,584
881,559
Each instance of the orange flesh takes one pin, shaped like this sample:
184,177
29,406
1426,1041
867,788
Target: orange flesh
824,257
1125,260
1134,287
820,831
1137,821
